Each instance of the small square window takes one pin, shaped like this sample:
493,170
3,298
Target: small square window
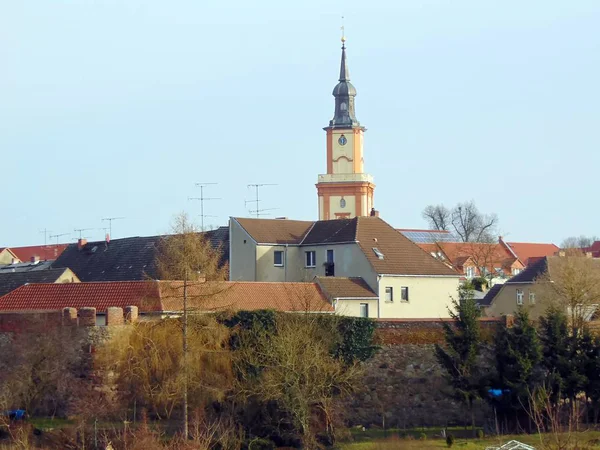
389,294
404,293
364,310
519,296
278,258
470,271
310,259
532,298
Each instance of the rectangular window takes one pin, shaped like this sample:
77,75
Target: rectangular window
278,258
310,259
330,256
516,272
532,298
519,296
470,272
364,310
389,294
404,293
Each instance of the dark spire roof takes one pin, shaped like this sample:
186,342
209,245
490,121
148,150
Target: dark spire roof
344,93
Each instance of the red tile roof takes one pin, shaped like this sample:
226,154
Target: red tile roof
527,250
342,287
155,296
43,252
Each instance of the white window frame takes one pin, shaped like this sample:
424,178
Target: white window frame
364,312
531,298
470,272
520,296
404,294
310,254
516,271
389,294
282,258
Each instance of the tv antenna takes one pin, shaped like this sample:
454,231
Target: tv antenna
110,221
57,236
80,230
258,211
202,199
46,232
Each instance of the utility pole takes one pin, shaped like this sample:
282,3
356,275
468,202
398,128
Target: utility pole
110,221
258,211
202,199
80,230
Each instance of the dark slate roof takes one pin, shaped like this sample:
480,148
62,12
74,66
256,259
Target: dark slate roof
25,267
490,295
127,259
531,272
332,231
13,280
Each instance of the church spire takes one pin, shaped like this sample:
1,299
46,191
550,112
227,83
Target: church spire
344,93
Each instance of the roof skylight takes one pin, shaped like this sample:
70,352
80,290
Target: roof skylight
378,252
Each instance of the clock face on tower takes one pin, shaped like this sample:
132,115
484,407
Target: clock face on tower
342,140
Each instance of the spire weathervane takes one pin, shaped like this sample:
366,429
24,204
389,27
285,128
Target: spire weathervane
343,33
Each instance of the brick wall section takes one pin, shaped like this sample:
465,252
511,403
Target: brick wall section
22,322
131,314
114,316
70,317
424,331
87,317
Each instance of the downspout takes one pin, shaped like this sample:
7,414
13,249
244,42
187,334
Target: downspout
378,297
285,263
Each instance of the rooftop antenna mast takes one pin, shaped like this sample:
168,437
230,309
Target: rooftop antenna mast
46,232
80,230
57,236
202,199
110,221
258,211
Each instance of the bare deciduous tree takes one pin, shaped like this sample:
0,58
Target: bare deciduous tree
437,217
465,220
572,283
578,242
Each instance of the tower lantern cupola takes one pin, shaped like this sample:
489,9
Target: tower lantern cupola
345,191
344,93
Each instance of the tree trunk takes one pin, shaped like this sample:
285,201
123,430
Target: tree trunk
185,366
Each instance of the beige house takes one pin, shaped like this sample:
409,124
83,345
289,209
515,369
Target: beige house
7,256
397,278
523,291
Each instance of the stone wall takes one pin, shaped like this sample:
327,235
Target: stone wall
403,385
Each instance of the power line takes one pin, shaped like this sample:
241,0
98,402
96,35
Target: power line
202,199
110,221
258,211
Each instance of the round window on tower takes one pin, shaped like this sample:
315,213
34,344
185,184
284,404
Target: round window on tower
343,203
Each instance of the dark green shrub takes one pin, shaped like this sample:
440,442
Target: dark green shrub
480,434
450,440
422,436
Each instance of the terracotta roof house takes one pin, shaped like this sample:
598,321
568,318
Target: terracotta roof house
126,259
475,259
166,297
527,252
593,250
407,281
9,281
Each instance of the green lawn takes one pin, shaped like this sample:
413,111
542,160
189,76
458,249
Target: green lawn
586,440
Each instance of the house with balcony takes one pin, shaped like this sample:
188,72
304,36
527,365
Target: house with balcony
380,273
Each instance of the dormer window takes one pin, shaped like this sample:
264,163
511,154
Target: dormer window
377,253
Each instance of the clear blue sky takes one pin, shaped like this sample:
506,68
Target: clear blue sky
116,108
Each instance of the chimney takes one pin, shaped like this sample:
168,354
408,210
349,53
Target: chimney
81,243
374,212
107,238
35,259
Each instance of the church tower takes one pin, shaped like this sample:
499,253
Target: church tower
345,191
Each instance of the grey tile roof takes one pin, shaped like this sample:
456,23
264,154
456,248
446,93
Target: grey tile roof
127,259
531,272
490,295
